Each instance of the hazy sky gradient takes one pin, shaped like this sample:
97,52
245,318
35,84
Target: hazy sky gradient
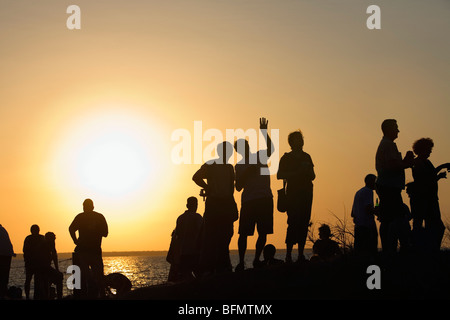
158,66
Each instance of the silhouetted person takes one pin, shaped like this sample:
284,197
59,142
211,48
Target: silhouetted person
51,275
297,168
120,283
325,249
220,210
390,183
91,227
257,198
269,256
363,213
187,237
32,254
6,254
424,197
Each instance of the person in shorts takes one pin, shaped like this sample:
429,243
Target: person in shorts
256,198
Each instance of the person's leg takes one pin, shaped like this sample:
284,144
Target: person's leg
59,277
5,266
225,235
246,229
96,263
260,243
208,254
435,226
291,234
82,263
362,240
242,247
289,247
303,234
264,222
28,277
373,245
304,219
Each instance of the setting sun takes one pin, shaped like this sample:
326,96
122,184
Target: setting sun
110,157
113,164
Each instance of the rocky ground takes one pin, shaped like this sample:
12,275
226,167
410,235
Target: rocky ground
404,276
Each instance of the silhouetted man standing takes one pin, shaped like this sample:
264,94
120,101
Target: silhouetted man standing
363,214
6,254
220,210
297,169
257,198
91,227
32,252
390,183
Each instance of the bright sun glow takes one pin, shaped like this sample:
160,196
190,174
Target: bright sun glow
114,164
110,155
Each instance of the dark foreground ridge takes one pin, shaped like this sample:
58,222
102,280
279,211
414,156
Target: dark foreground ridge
401,277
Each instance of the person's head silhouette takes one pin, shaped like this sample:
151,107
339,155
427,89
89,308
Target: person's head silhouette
295,140
390,129
370,181
192,204
423,147
242,147
88,205
269,251
50,237
35,229
324,232
225,151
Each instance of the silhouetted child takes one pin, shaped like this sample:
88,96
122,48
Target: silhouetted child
51,275
363,214
185,246
325,249
269,256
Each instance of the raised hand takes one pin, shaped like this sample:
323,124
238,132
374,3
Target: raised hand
263,123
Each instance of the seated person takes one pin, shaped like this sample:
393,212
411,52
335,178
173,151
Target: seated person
269,256
325,249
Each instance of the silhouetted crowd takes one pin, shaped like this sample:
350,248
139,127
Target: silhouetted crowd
39,251
200,244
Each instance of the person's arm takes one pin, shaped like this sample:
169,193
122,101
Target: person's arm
313,174
104,230
9,244
443,166
55,259
442,175
72,231
282,173
263,125
25,249
199,177
406,162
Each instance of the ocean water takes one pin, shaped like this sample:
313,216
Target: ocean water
141,270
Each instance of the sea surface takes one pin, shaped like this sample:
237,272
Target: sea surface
142,269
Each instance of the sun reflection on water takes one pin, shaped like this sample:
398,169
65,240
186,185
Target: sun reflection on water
140,270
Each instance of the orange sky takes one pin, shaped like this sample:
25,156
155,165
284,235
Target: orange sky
138,70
